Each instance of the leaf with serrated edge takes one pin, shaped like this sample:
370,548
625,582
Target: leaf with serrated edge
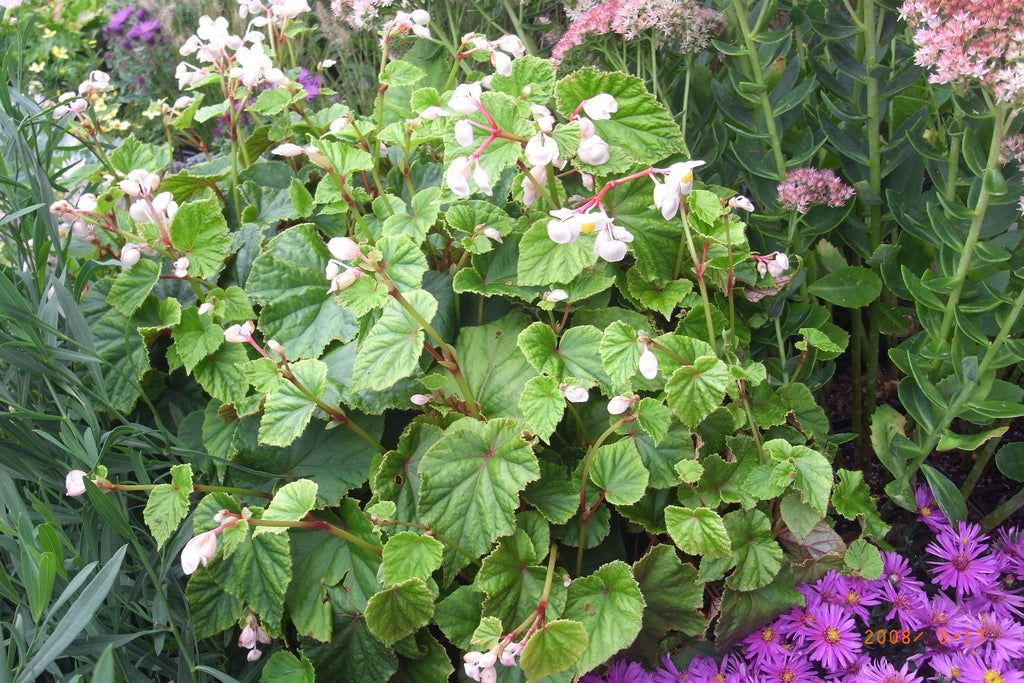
699,531
131,286
813,472
609,605
409,555
391,349
694,392
618,470
200,231
291,502
400,610
553,648
287,411
471,480
542,405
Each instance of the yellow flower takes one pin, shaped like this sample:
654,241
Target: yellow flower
36,67
59,52
47,33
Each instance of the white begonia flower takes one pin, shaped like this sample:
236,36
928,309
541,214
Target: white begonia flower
741,202
464,132
648,363
555,295
532,184
98,81
593,151
433,112
573,394
289,9
678,183
457,176
181,267
198,551
610,243
480,177
543,116
160,209
778,265
620,404
493,234
341,279
509,654
600,107
139,183
87,202
466,98
276,347
205,307
288,149
130,255
240,333
541,150
74,483
511,44
344,248
565,227
501,62
421,399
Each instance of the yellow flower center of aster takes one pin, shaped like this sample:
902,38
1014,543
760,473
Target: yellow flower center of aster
926,512
766,634
787,675
587,228
831,635
992,676
852,598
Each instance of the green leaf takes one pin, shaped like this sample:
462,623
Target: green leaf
302,200
852,499
131,154
409,555
850,287
694,392
200,231
544,263
399,73
818,340
967,442
618,471
353,654
813,472
133,285
459,614
284,667
196,337
287,411
1010,460
698,531
390,351
168,504
946,493
528,72
863,560
657,296
221,375
471,480
514,583
415,224
769,481
758,557
290,503
288,279
231,304
799,517
640,132
554,648
655,418
553,495
272,101
609,605
212,608
673,596
620,352
258,573
424,659
542,405
400,610
689,471
540,346
744,611
345,158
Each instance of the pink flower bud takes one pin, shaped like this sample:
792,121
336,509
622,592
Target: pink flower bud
600,106
205,307
594,151
648,363
254,654
464,132
130,255
181,267
556,295
276,347
198,551
741,202
492,233
288,149
74,483
421,399
240,333
620,404
575,394
344,248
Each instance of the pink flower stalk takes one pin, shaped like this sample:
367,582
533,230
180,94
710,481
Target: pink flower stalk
678,24
975,43
804,187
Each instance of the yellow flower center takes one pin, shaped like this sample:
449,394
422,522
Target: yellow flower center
767,634
831,635
926,512
587,228
688,178
992,676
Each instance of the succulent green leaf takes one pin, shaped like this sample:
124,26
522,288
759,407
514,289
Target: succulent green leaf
409,555
400,610
291,502
554,648
471,480
699,531
850,287
610,606
288,410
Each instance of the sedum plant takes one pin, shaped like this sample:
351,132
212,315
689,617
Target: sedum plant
474,372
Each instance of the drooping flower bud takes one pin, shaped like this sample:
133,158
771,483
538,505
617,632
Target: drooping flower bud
344,248
74,483
741,202
198,551
620,404
600,107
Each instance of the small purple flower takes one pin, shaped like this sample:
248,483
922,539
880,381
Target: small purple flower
884,672
928,510
145,31
118,19
310,83
831,636
622,671
999,639
962,562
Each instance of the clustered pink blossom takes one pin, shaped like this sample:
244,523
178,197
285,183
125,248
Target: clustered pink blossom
804,187
981,41
1012,149
683,26
359,14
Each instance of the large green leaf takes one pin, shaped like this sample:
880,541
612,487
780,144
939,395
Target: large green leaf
619,472
196,337
758,557
471,480
850,287
288,279
288,410
695,391
513,582
553,648
258,573
544,263
291,503
641,132
400,610
200,231
542,405
609,605
390,351
813,472
168,504
673,596
699,531
212,609
133,285
409,555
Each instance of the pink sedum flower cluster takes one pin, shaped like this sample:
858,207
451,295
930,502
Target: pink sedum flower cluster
805,187
977,42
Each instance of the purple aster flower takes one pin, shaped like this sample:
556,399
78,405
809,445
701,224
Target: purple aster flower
940,613
118,20
668,673
896,570
145,31
591,678
622,671
789,669
1009,551
765,643
851,671
977,670
831,637
1004,602
905,603
928,510
947,665
884,672
962,563
856,595
998,639
704,670
310,82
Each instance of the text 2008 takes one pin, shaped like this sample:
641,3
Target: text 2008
892,637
